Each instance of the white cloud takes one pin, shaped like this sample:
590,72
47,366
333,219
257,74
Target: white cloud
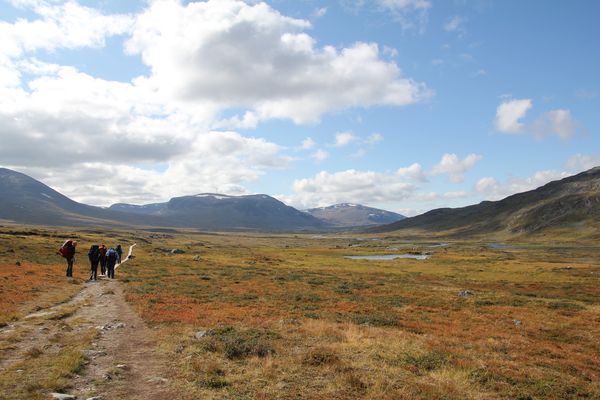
414,171
410,14
67,25
494,190
348,186
226,64
344,138
320,12
456,24
308,144
454,167
205,59
509,113
557,122
582,162
374,138
320,155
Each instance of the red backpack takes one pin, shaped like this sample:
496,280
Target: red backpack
65,249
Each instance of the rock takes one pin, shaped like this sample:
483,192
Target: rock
465,293
112,325
204,333
62,396
44,329
196,258
94,353
18,263
122,366
177,251
95,398
517,322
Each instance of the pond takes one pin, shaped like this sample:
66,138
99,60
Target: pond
390,257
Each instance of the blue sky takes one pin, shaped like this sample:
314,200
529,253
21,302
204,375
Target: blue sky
406,105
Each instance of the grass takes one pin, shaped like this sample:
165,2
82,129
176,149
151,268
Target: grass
290,318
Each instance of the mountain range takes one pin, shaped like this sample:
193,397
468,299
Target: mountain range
571,204
26,200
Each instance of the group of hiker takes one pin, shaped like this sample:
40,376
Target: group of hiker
107,258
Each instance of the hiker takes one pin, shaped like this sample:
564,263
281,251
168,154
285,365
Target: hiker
94,256
119,253
67,250
102,253
111,260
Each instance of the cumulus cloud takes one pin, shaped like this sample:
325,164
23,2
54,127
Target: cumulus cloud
344,138
454,167
374,138
327,188
509,114
555,122
492,189
307,144
226,63
205,61
582,162
414,171
320,155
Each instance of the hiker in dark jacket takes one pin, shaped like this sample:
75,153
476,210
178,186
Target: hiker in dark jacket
67,250
119,253
102,251
111,260
94,256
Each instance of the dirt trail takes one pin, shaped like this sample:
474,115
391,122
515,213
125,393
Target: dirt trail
121,364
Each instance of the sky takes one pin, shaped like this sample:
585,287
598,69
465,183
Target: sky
405,105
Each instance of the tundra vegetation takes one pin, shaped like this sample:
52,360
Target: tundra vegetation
262,316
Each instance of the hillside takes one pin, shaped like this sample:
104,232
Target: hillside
573,202
351,215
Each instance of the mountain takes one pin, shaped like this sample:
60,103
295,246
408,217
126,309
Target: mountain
26,200
352,215
572,203
23,199
217,211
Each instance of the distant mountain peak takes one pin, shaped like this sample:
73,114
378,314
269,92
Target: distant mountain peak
354,215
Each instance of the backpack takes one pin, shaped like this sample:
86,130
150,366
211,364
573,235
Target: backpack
94,252
111,255
65,249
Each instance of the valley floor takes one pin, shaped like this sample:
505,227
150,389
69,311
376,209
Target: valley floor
288,317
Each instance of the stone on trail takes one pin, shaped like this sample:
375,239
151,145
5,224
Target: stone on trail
177,251
62,396
465,293
203,333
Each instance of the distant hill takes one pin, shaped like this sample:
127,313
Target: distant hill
573,202
353,215
26,200
217,211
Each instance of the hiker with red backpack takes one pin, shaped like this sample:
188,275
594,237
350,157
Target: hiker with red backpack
94,256
67,250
